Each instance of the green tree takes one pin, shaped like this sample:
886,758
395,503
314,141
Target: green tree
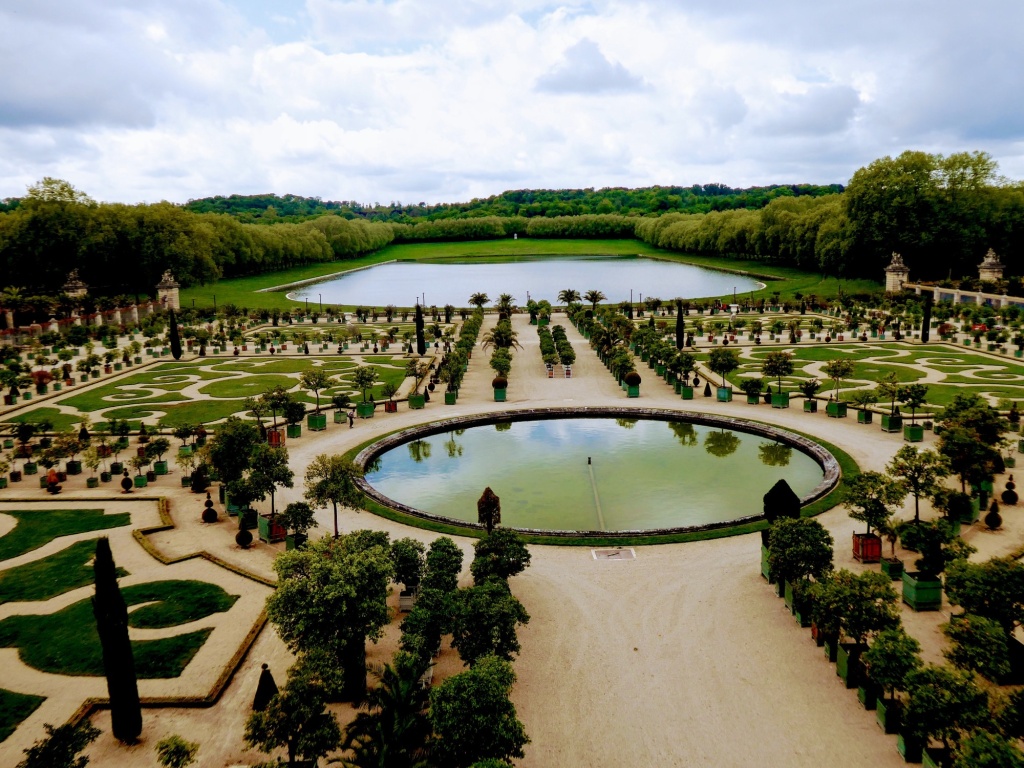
479,300
488,510
409,557
918,473
501,553
889,388
568,296
315,380
892,656
872,498
978,645
363,378
173,335
777,364
111,614
982,749
943,704
268,468
837,370
61,747
723,362
444,564
297,720
799,549
993,589
595,297
331,597
486,618
331,479
913,397
393,729
175,752
473,718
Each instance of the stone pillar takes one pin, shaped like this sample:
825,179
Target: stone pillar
9,317
116,317
133,314
97,319
167,291
76,319
991,268
53,326
896,274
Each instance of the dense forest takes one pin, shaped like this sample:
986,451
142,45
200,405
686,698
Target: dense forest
525,203
941,213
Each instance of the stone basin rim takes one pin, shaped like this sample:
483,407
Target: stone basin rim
828,463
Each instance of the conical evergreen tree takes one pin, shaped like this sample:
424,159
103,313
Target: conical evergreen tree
421,342
118,664
175,337
680,324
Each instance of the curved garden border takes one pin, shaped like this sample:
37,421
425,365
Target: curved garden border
824,459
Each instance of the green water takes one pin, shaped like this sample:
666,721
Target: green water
642,474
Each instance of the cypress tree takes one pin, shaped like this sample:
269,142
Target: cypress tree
680,324
175,338
421,343
111,614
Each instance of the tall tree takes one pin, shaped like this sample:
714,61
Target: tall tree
111,614
296,719
918,472
61,747
488,510
421,342
500,554
175,337
331,479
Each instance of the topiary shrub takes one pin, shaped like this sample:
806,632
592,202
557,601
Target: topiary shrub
499,382
1009,496
993,519
243,538
632,379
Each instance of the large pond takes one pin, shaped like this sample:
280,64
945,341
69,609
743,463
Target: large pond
594,474
403,283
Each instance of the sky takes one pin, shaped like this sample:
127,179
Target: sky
448,100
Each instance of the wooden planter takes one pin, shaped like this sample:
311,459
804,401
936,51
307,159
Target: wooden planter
780,400
140,481
364,410
867,694
725,394
922,593
910,748
848,666
865,416
686,392
294,430
891,423
74,467
275,438
831,648
753,399
31,468
92,482
888,714
417,401
316,422
893,568
160,467
913,433
764,564
632,391
295,541
270,531
499,395
810,406
339,416
450,398
836,409
867,547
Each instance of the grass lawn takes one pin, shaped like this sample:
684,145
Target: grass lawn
242,291
66,642
38,527
51,576
15,707
55,417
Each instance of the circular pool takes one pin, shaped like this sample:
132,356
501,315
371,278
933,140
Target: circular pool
602,471
453,282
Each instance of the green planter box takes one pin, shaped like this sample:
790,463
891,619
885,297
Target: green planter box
753,399
633,391
865,416
31,467
848,666
499,395
270,531
810,406
74,468
364,410
831,649
417,401
116,467
295,541
248,519
450,398
186,481
140,481
780,400
836,409
867,695
936,757
687,394
913,433
787,595
160,467
892,568
725,394
888,714
92,482
891,423
117,366
3,482
764,564
339,417
910,748
316,422
294,430
921,594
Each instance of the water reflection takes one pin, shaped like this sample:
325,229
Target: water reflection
419,450
684,432
721,444
775,454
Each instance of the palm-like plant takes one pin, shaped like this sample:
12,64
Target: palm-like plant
568,296
506,304
479,300
595,297
394,728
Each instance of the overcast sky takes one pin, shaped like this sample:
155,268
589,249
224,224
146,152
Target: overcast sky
446,100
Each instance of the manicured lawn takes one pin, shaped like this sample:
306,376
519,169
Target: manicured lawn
55,417
249,386
66,642
15,707
38,527
51,576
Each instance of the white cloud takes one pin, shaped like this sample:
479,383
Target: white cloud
402,100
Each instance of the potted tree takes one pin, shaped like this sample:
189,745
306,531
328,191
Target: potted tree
752,388
891,566
867,605
809,388
862,399
889,388
632,382
294,413
942,704
685,363
892,656
500,386
872,498
315,380
363,379
138,463
913,397
416,370
298,517
837,370
340,402
389,389
91,458
5,466
155,450
723,362
799,550
66,445
186,462
938,545
777,365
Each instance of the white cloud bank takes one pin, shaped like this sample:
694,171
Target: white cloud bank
377,100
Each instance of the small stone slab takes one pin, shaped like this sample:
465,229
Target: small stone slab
618,553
